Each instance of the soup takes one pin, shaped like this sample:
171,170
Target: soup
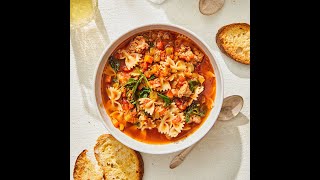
158,87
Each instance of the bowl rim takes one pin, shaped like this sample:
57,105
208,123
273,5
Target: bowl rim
174,146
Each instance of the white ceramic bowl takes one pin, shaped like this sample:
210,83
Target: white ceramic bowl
158,148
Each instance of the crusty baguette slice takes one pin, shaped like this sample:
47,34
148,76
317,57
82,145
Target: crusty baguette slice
84,169
234,41
117,160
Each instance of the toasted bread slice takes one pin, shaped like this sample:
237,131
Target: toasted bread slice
234,41
117,160
84,169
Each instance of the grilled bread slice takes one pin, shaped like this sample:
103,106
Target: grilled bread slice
117,160
84,169
234,41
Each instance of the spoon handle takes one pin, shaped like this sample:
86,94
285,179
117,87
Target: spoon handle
177,160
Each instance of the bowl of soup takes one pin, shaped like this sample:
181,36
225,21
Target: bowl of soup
158,88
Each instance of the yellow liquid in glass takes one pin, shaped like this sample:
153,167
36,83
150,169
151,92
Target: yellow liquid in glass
81,11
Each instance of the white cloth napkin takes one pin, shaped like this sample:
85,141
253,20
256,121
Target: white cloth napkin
157,1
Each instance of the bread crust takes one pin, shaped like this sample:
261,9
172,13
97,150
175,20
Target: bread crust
219,40
141,165
84,168
78,168
101,140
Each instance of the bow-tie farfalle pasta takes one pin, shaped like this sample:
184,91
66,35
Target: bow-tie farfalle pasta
166,123
113,93
177,125
147,105
108,71
117,115
158,112
173,108
145,122
159,87
131,59
164,85
174,66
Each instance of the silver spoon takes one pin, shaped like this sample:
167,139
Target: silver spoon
231,107
208,7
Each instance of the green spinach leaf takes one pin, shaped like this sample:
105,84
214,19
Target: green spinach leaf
144,92
131,83
151,44
145,80
152,77
166,99
194,109
134,89
193,84
114,63
132,101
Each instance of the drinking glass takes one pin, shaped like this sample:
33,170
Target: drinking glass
82,12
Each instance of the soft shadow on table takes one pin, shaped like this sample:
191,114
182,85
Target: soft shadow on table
238,69
218,155
190,17
88,42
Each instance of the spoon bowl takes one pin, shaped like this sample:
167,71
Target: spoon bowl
231,107
209,7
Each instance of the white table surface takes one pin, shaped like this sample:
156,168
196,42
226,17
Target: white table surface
224,154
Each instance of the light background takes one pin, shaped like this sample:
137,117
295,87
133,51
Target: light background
224,154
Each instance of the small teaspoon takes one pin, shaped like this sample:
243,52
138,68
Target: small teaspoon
209,7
